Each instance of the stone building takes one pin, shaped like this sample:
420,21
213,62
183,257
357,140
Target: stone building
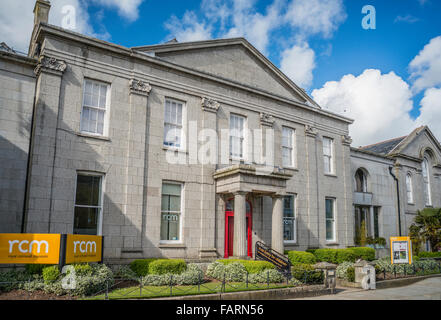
393,179
107,119
190,150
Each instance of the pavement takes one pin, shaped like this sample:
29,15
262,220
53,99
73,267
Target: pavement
427,289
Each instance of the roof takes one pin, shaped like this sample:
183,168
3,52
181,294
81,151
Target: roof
383,147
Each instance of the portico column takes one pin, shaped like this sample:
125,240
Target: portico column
277,224
372,221
240,226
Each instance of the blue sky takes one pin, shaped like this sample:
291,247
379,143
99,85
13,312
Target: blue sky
320,44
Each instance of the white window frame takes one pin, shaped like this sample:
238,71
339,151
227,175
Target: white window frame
329,156
426,181
334,220
409,188
242,136
100,202
294,241
106,110
291,147
181,215
182,126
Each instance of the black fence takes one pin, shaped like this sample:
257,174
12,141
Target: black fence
397,271
136,288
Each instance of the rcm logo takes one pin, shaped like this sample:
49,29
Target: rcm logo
24,246
85,246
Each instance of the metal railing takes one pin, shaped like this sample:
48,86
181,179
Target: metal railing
406,271
203,286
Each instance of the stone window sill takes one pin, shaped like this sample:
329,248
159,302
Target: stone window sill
172,245
332,175
332,243
86,135
165,148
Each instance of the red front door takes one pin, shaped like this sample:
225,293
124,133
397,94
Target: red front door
229,228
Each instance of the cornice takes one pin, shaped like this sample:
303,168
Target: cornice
73,36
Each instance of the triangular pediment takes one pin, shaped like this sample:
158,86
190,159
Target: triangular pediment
417,143
232,59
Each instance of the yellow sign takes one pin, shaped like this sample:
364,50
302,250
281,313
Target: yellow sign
40,248
83,248
400,250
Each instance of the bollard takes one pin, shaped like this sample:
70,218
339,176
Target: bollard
171,285
267,278
107,290
199,282
247,281
140,286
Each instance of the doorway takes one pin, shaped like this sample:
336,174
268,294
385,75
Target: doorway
229,228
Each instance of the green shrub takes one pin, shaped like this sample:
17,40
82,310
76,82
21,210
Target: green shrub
350,273
164,266
297,257
125,272
311,250
251,266
83,269
345,255
342,270
364,253
427,254
141,266
35,268
50,274
326,255
306,273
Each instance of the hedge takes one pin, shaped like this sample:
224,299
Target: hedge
164,266
338,256
364,253
141,266
297,257
50,274
427,254
326,255
251,266
304,271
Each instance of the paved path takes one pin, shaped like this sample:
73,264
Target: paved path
427,289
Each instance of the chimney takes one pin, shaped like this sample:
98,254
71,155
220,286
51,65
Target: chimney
41,14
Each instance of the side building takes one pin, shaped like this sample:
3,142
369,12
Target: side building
394,179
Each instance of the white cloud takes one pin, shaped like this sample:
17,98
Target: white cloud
431,111
425,68
407,18
188,29
379,104
297,63
316,16
17,18
236,18
128,9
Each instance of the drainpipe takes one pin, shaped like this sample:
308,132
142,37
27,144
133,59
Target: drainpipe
398,199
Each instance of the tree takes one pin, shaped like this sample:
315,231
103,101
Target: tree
426,226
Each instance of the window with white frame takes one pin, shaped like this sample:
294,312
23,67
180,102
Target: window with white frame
237,136
426,181
173,123
171,211
409,190
327,155
289,219
88,204
288,147
95,107
330,219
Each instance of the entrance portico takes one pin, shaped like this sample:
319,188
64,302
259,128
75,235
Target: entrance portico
236,183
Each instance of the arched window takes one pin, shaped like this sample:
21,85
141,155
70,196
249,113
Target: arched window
360,181
426,181
409,188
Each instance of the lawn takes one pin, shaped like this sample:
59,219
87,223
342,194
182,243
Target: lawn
146,292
